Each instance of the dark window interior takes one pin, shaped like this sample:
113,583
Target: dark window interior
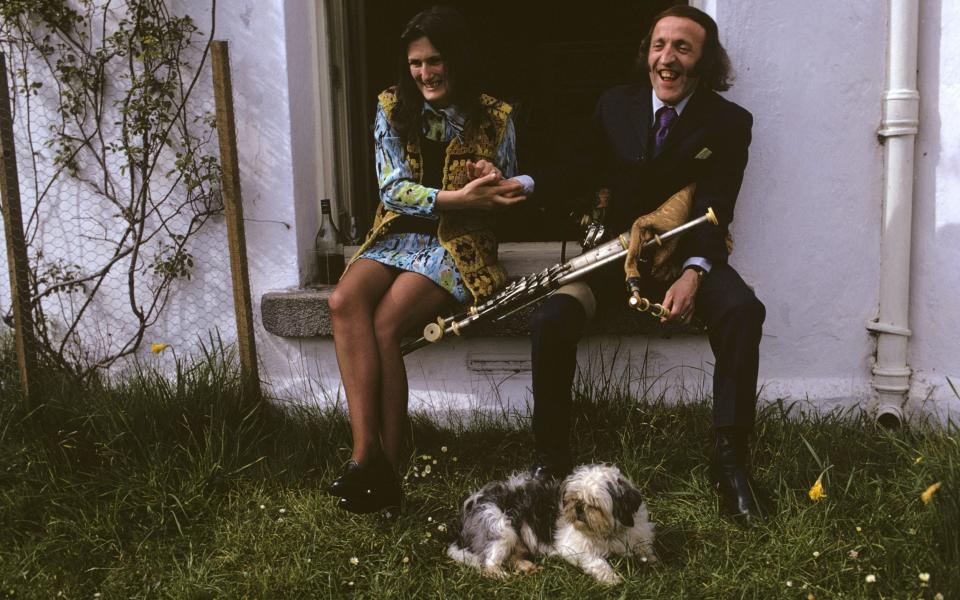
550,60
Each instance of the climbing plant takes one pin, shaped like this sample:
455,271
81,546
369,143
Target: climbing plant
118,168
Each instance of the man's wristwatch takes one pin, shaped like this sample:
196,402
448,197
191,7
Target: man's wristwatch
700,271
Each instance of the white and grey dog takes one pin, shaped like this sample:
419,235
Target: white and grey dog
594,513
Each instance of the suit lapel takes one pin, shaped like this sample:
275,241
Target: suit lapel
641,112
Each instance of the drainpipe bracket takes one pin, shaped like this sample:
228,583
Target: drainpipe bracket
898,129
893,390
893,372
902,113
902,95
878,327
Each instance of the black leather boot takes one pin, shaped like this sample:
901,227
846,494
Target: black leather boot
729,470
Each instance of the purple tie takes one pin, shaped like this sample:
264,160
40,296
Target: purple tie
665,118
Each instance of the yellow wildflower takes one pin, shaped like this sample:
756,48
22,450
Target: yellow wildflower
816,492
928,493
158,348
918,460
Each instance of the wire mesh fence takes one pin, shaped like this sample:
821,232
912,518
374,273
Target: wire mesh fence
119,180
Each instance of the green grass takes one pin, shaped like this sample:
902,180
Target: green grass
151,487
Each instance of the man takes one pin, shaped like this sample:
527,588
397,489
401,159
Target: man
647,141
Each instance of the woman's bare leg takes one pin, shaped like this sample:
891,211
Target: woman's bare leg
353,304
411,301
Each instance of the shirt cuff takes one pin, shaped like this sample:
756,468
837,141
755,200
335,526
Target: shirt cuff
698,261
527,182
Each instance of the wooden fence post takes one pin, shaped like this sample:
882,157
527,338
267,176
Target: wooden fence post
233,210
16,245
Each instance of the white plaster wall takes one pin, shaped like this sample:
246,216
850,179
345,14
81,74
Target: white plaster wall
72,218
934,305
281,99
257,33
808,220
255,30
807,226
276,189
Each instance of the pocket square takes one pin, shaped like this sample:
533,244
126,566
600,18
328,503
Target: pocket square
703,154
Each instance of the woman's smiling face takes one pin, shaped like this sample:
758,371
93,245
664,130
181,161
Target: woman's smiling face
428,72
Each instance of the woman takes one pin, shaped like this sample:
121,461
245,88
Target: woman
430,239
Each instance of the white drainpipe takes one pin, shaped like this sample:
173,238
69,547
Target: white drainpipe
891,374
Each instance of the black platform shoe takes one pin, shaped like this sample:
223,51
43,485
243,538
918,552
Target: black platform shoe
731,476
548,467
356,478
384,495
547,472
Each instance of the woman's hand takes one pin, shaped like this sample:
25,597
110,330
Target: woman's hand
484,193
482,167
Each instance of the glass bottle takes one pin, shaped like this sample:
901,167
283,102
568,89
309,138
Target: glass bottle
329,250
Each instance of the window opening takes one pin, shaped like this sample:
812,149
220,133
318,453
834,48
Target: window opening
551,64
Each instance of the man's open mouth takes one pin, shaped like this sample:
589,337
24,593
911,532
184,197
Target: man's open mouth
668,75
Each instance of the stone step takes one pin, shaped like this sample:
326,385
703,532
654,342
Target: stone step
304,313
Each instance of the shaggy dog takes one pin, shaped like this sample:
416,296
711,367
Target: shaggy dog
594,513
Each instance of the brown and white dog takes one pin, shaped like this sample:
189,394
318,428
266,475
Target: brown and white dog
594,513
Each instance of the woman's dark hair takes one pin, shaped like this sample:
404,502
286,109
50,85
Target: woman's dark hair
448,32
714,67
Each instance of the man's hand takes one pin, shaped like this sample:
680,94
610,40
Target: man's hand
680,298
481,168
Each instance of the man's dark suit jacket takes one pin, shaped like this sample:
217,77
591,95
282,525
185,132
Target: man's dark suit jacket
707,144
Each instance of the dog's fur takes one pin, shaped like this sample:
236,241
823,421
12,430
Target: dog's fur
594,513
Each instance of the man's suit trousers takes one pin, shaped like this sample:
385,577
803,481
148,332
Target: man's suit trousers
725,303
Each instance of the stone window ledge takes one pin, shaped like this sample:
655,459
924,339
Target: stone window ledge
304,313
